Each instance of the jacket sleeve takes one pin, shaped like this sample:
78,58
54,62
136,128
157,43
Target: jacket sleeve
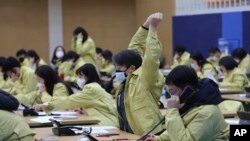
30,81
237,80
151,62
59,91
138,41
85,48
199,129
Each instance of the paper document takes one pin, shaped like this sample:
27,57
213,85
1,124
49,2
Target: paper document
232,121
45,119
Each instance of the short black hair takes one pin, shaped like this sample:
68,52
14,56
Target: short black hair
21,52
128,58
80,29
214,49
197,56
2,60
181,76
239,53
107,55
98,50
90,72
180,49
228,62
71,55
10,63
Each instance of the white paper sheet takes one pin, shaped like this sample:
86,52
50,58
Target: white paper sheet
232,121
45,119
71,113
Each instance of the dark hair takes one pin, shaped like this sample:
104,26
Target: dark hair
21,52
228,62
10,63
80,29
162,61
180,49
32,53
71,55
1,60
50,78
197,56
128,58
54,58
107,55
90,72
214,49
98,50
239,53
181,76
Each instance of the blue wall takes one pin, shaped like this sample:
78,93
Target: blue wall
246,31
198,32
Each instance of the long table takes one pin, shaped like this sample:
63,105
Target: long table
79,120
44,132
225,91
237,97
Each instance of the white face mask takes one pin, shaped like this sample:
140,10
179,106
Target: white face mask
59,54
40,85
71,63
120,76
214,58
80,82
237,60
193,66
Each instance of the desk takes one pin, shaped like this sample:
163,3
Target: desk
226,114
42,132
80,120
225,91
237,97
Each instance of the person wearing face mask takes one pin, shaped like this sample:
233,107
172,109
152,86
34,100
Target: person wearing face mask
234,77
21,80
34,59
242,58
57,57
181,57
72,61
93,98
21,55
202,67
214,56
83,45
139,94
49,87
193,111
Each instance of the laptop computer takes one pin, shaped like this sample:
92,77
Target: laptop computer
244,117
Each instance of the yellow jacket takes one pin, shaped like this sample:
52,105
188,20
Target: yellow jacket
183,60
35,97
95,100
245,64
25,63
206,70
106,67
85,50
199,124
235,79
25,84
13,127
143,87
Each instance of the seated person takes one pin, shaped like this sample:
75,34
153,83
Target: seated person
202,67
34,59
50,86
105,65
21,55
93,98
214,56
57,57
234,77
12,126
181,57
243,59
193,110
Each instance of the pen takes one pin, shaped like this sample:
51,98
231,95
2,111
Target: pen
106,135
120,139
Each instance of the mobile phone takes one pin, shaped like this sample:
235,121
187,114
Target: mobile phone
185,94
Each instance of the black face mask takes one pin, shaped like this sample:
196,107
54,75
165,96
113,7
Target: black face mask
21,59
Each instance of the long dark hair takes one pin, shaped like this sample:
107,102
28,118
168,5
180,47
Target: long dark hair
80,29
50,78
32,53
90,72
54,58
